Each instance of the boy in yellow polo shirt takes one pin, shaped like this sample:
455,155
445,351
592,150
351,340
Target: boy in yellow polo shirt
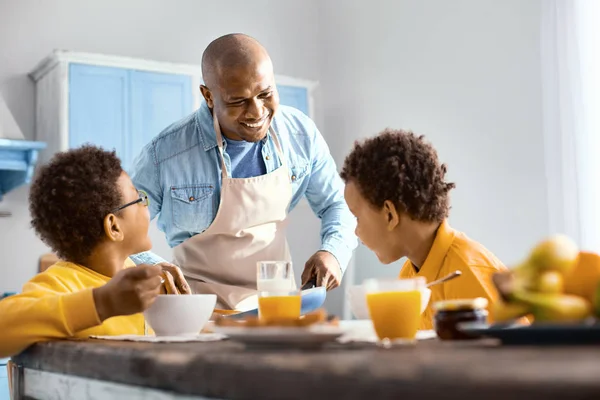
396,188
84,206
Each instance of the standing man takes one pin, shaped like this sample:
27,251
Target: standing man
223,180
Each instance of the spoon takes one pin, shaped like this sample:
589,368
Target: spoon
448,277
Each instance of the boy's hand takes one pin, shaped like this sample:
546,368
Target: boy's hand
130,291
168,286
175,282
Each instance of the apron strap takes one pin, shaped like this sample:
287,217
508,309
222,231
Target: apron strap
220,140
278,147
220,146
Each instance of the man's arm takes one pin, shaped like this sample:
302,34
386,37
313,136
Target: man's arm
147,257
145,176
325,194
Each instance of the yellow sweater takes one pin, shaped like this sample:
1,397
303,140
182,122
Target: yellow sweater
451,251
58,304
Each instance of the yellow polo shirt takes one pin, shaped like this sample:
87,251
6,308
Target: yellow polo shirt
451,251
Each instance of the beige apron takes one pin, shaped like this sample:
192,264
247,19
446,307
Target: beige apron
249,227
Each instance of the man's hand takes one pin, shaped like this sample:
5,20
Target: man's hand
175,282
130,291
325,267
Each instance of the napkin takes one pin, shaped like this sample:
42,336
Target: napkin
363,331
203,337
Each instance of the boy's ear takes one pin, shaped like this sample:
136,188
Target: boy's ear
391,214
112,229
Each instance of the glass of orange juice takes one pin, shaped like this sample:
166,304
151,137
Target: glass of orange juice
278,297
279,305
395,308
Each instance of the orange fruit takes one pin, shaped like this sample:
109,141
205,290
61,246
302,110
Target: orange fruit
584,278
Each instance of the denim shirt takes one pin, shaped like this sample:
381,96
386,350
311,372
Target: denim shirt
180,170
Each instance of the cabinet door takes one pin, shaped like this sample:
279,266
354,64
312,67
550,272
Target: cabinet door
4,394
157,101
99,107
294,96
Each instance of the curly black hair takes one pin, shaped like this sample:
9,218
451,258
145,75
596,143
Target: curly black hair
70,197
399,166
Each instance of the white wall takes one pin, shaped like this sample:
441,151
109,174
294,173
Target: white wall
174,31
466,73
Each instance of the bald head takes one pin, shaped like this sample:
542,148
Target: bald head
239,86
233,51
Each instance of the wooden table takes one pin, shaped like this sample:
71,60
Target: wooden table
226,370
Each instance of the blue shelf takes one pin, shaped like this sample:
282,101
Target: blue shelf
17,163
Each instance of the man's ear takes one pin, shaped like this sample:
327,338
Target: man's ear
208,96
112,229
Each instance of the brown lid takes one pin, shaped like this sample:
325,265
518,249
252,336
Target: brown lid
478,303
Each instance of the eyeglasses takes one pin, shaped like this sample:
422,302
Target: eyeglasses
143,198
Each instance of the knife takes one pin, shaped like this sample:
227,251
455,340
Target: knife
312,282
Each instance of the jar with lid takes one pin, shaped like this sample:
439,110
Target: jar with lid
450,313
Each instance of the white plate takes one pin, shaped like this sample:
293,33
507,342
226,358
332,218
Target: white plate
312,336
362,330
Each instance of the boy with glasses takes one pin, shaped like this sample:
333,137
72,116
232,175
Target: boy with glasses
86,209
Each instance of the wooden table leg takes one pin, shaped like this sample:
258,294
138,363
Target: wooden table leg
15,381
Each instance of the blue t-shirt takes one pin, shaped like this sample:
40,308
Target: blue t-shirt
246,158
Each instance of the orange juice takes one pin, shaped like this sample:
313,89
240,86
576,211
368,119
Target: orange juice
395,315
279,307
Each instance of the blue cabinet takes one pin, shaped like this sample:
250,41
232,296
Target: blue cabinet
123,109
158,100
4,393
294,96
121,103
99,107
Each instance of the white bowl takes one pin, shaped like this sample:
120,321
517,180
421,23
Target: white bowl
358,301
180,315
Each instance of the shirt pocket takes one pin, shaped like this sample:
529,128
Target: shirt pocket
192,206
298,172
